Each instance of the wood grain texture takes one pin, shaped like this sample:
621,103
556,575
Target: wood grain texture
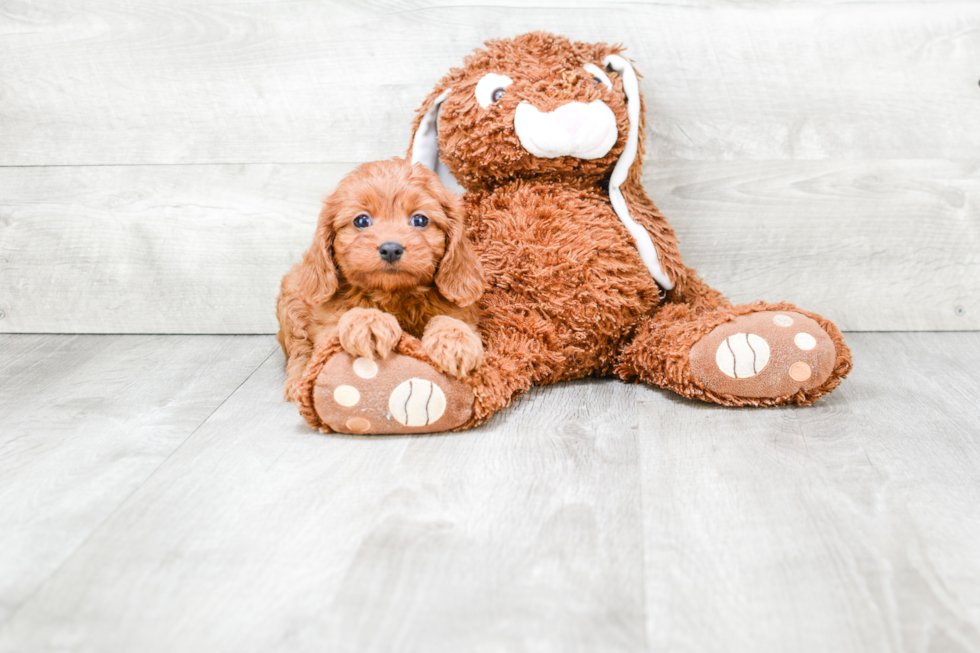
589,516
137,249
873,245
217,82
84,422
846,527
260,535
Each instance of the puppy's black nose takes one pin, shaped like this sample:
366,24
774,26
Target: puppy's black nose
391,251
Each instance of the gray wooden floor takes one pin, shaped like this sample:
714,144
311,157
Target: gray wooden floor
156,494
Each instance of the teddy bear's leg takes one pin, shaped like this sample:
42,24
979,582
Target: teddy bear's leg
406,394
747,355
514,361
402,393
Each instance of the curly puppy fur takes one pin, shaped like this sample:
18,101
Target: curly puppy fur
345,290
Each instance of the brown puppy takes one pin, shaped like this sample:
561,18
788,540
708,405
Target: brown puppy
390,254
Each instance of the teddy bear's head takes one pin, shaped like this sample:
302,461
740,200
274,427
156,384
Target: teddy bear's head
540,107
537,106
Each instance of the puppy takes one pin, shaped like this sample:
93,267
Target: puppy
390,254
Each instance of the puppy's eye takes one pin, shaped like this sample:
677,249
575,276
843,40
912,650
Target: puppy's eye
362,221
490,88
419,220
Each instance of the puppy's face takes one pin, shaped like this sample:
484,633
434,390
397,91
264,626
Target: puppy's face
390,225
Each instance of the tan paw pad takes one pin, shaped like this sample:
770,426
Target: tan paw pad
758,356
742,355
365,368
800,371
399,394
346,395
417,402
358,425
805,341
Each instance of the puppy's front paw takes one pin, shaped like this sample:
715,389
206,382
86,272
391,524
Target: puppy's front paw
452,346
368,331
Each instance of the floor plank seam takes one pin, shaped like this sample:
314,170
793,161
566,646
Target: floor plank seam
30,597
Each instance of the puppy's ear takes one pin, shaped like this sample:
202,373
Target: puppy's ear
319,280
460,275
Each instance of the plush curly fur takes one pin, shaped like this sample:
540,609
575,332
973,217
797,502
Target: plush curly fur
567,292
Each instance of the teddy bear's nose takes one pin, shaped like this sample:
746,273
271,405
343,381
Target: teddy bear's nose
391,251
571,116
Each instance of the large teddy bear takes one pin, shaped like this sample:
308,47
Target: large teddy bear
545,139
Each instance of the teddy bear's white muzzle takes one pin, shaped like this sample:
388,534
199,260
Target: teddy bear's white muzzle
585,131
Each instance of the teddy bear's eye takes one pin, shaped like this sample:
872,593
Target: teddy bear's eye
490,88
419,220
362,221
597,74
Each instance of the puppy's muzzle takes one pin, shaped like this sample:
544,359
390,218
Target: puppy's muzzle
391,251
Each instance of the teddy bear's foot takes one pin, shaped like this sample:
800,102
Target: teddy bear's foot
399,394
769,355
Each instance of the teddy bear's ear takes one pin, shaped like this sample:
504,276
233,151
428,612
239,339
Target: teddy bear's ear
631,154
425,140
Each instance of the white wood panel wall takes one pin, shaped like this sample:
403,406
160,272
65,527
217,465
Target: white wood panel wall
161,163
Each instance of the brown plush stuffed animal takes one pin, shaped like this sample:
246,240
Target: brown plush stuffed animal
584,277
